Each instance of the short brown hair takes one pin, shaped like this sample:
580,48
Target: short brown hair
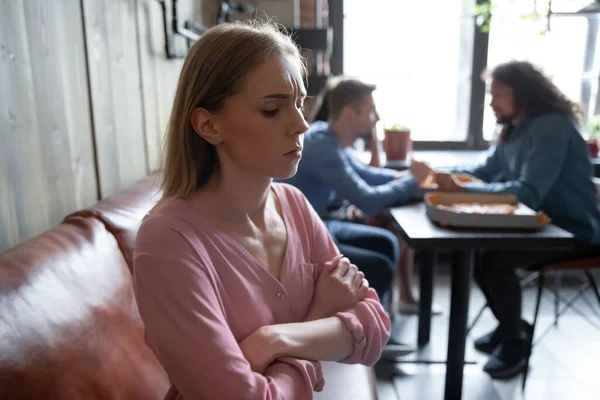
213,71
340,92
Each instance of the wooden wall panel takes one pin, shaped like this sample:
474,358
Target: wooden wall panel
46,151
86,94
116,96
159,75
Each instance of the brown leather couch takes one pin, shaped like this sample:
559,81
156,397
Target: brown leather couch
69,326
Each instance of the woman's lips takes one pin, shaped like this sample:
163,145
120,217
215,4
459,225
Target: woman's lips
297,152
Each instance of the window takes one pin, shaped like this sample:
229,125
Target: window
559,52
419,54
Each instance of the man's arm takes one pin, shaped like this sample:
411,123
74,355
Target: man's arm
487,171
541,167
372,175
331,166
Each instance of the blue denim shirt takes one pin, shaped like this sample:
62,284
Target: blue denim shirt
545,163
327,170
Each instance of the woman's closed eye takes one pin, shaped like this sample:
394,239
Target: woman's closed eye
273,112
270,113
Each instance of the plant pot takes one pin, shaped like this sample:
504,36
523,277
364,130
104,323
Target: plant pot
593,147
397,144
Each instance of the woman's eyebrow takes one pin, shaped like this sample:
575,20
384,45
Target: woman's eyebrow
278,96
282,96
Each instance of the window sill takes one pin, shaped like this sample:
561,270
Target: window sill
440,158
445,159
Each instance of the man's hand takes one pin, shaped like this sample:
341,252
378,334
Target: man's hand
463,177
420,170
339,287
354,214
449,182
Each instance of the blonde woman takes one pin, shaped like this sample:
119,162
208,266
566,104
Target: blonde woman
240,287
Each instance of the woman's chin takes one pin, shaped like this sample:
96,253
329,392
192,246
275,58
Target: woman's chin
286,174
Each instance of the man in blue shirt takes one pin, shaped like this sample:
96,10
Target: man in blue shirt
542,159
328,171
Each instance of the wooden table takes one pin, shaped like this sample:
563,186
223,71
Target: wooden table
426,237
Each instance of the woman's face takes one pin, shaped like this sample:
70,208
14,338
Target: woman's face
261,127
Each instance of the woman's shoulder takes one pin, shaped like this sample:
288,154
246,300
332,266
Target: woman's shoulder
291,196
300,212
170,228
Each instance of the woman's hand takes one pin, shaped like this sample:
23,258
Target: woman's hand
339,287
261,348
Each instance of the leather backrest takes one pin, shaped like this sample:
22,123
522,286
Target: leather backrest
122,213
69,326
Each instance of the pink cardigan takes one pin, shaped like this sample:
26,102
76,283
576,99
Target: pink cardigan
200,293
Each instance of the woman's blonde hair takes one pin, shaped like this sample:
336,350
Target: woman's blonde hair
213,71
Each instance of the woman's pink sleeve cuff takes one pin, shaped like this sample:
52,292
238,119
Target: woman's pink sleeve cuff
312,371
358,334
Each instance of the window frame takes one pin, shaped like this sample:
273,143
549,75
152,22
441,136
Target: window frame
474,139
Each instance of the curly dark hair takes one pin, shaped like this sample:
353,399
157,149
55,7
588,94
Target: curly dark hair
534,93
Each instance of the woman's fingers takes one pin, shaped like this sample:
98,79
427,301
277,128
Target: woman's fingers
352,271
363,291
358,279
343,267
330,266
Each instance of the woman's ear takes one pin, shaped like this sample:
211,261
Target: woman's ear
204,124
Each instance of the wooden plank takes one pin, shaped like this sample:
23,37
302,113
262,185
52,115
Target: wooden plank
115,83
149,24
62,104
46,157
159,75
16,117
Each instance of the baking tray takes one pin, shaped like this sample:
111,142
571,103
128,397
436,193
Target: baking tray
523,217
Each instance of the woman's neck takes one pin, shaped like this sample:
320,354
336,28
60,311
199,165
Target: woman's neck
233,198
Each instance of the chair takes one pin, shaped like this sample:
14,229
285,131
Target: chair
524,282
586,264
556,289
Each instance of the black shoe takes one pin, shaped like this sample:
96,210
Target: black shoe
509,359
488,343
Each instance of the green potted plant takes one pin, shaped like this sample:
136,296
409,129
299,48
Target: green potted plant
397,143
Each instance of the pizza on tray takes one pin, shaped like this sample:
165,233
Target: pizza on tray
480,208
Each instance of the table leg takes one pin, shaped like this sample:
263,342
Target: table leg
462,265
426,265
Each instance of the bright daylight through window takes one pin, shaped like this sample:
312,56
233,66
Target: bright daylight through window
419,55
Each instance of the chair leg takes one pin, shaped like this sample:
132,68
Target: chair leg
557,285
535,317
529,278
592,283
476,318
